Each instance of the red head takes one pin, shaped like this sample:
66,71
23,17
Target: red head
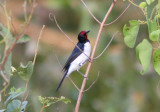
82,37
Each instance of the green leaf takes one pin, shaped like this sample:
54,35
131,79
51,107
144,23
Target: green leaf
156,60
143,5
13,106
47,101
65,100
152,26
144,53
7,67
25,71
14,94
154,36
149,1
23,39
130,33
5,33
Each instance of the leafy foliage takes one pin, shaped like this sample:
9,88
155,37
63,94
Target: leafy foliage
156,60
25,71
130,33
144,53
47,101
144,49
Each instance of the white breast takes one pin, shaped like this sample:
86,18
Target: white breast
81,59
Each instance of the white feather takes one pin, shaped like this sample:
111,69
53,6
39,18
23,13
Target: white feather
81,59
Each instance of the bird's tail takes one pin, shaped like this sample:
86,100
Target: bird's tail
61,81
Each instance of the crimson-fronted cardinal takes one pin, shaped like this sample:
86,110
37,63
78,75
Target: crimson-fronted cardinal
78,58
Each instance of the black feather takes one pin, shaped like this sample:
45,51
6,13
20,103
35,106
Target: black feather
61,81
75,53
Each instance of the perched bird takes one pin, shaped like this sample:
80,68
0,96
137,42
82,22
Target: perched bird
78,58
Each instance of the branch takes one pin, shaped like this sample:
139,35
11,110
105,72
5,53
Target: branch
106,46
50,16
92,56
39,37
118,16
4,76
4,89
74,84
90,12
92,83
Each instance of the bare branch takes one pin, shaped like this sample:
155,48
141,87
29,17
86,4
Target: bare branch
90,12
74,84
4,77
106,46
92,56
58,61
50,16
36,50
4,89
92,83
118,16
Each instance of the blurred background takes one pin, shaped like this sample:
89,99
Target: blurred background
120,86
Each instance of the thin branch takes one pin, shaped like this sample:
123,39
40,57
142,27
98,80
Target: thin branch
118,16
68,77
90,12
74,84
152,13
22,100
4,89
14,29
106,46
92,83
131,1
58,61
4,77
39,37
50,16
92,56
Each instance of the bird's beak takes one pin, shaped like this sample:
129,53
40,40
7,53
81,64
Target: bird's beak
87,31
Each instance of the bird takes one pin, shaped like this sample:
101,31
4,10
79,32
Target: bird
77,58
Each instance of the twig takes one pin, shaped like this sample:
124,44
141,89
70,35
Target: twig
131,1
68,77
50,16
92,83
92,56
14,29
106,46
58,61
39,37
152,13
4,89
74,84
4,77
118,16
90,12
22,100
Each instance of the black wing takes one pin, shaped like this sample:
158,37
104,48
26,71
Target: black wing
75,53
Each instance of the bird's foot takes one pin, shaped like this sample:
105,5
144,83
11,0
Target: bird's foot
85,77
90,60
82,74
